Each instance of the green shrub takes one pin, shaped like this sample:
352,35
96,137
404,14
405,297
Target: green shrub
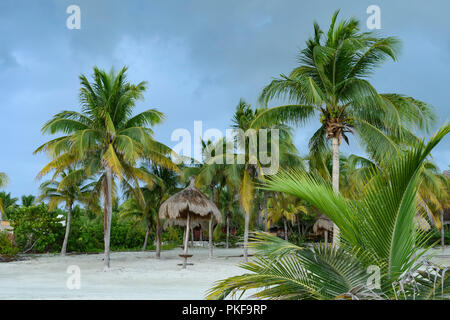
7,248
38,230
296,238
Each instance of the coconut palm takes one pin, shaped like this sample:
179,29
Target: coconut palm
376,230
3,183
433,195
67,191
251,170
141,213
145,209
331,83
216,176
105,137
284,207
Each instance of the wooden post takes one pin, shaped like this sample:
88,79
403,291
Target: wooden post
186,236
326,237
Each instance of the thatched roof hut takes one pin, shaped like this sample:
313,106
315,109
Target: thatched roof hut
192,202
323,224
189,207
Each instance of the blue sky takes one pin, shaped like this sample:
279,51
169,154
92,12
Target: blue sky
199,57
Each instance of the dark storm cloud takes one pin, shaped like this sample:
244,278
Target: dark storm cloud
199,58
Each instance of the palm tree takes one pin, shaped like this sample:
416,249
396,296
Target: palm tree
284,207
66,191
250,171
3,183
331,82
27,201
146,208
377,230
216,176
105,138
141,213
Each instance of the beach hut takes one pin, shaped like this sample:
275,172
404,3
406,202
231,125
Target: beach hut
323,224
190,207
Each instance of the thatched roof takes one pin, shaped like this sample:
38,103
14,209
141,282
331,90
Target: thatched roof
192,201
323,224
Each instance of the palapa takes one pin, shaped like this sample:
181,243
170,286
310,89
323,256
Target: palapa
189,206
323,224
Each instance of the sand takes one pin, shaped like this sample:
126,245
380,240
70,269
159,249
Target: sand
133,275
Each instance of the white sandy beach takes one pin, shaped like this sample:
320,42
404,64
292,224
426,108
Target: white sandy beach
134,275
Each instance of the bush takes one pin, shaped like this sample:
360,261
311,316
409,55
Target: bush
7,248
38,230
87,235
297,238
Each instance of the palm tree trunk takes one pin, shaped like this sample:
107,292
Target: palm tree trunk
66,236
108,216
158,238
186,240
210,224
210,245
442,230
228,232
146,238
335,182
247,221
265,211
285,230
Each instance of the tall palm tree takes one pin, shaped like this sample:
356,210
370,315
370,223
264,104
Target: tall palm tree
105,137
331,83
216,176
3,183
251,173
377,230
67,191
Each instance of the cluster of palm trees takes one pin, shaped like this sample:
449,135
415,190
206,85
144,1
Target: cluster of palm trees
106,149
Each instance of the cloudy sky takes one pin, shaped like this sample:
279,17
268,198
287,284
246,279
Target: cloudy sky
199,57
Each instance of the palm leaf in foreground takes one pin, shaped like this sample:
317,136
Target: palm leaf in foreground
376,230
